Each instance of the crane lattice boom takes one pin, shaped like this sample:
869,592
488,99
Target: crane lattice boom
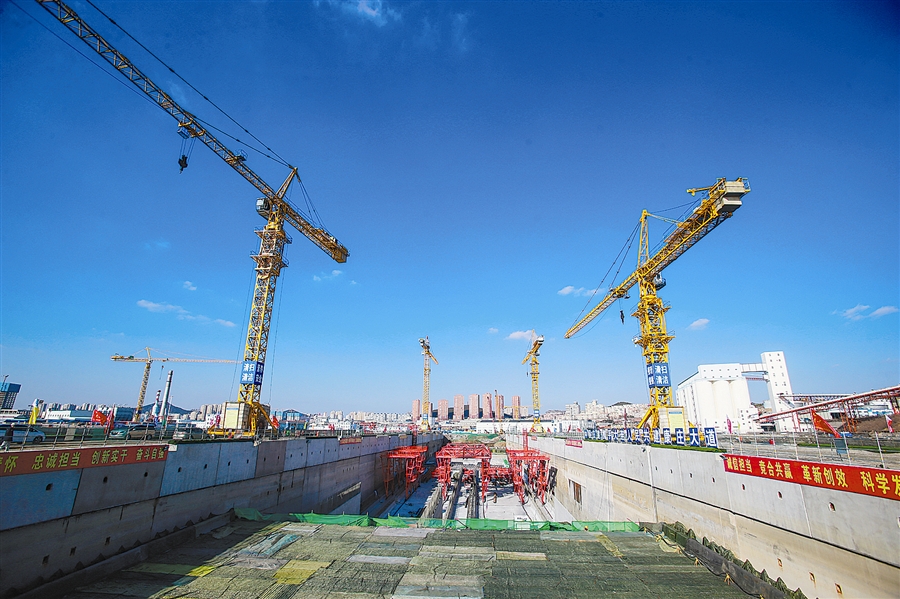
533,354
148,362
273,206
426,384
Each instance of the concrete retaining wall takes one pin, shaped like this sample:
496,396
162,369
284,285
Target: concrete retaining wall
829,543
52,524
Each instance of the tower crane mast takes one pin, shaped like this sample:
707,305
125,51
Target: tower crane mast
426,404
718,205
533,354
148,362
273,206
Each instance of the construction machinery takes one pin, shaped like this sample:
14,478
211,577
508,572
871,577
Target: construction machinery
148,362
426,404
718,204
533,353
273,206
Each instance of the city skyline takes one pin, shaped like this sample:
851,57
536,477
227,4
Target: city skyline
483,162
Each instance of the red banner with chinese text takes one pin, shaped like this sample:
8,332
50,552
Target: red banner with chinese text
349,440
877,482
51,460
574,442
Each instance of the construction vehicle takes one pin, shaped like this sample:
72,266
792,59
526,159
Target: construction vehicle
148,362
533,353
718,204
424,424
273,206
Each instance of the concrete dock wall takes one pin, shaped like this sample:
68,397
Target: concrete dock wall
54,523
829,543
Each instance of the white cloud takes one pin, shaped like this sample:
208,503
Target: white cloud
581,291
854,313
492,330
190,286
181,313
154,307
857,312
459,33
883,311
159,244
374,11
334,274
699,324
520,335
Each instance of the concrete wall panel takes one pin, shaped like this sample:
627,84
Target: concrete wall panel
29,498
111,486
349,450
295,454
190,466
315,451
237,461
270,458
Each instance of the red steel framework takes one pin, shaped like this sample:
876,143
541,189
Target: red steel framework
461,451
848,404
412,459
532,464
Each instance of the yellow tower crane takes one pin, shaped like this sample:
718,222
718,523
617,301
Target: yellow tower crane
426,404
148,362
533,354
273,206
719,203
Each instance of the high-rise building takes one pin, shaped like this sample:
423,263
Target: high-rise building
459,407
443,409
516,402
487,410
498,412
473,406
8,393
416,410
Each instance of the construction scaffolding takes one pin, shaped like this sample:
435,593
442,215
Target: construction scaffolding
473,459
530,469
407,460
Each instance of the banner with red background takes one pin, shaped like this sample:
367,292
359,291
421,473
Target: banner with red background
34,462
877,482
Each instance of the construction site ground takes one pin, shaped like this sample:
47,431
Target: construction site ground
291,560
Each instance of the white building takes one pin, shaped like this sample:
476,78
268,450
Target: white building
718,393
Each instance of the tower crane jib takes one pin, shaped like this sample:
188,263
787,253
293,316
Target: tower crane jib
273,206
720,202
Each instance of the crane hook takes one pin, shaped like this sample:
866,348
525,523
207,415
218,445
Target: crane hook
182,162
622,316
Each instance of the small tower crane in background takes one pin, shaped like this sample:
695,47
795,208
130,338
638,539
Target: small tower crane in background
148,361
426,404
720,202
274,206
533,353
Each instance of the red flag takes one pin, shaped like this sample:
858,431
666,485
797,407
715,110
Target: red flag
275,422
109,421
99,417
729,426
823,426
889,423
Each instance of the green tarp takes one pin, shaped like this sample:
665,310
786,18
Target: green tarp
471,523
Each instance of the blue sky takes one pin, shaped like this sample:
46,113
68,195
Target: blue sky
483,162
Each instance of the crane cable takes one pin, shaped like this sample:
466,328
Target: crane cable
186,82
620,259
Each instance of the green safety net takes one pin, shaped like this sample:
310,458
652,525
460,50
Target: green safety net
470,523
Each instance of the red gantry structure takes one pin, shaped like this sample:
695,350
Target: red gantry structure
457,452
529,467
848,405
412,459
